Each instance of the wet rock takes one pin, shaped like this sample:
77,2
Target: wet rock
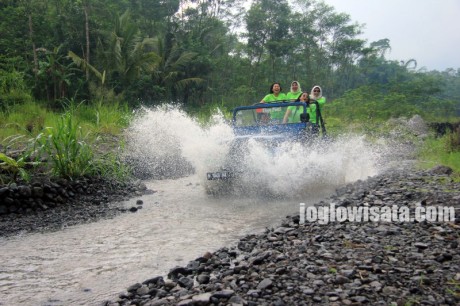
441,170
81,201
203,279
185,282
266,283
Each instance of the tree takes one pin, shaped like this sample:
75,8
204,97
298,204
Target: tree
124,54
170,72
267,25
381,46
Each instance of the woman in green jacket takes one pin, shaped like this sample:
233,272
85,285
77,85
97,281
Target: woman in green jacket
295,92
292,114
275,94
317,95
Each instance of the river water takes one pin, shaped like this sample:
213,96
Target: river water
90,263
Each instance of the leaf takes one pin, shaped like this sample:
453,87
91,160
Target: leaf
8,160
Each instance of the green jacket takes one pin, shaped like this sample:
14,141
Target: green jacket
270,98
311,110
293,96
294,113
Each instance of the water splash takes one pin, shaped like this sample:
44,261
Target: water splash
167,142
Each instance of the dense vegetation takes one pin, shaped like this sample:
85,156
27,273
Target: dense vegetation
107,57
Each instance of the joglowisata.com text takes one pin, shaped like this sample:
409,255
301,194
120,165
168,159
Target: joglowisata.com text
332,213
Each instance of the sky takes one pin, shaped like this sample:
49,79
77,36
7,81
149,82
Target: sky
425,30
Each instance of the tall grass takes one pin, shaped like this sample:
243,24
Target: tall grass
65,145
25,119
32,117
104,118
72,154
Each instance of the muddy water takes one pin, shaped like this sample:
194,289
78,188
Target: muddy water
87,264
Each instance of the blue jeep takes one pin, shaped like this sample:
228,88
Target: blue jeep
269,124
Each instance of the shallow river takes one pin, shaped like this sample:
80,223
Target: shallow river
87,264
90,263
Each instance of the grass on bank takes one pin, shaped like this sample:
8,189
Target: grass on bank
441,151
78,142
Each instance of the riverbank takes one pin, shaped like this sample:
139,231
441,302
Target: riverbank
339,263
48,205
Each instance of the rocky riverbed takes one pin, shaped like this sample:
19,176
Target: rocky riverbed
338,263
47,205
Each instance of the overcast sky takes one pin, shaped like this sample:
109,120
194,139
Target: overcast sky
425,30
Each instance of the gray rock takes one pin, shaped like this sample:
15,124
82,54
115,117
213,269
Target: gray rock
264,284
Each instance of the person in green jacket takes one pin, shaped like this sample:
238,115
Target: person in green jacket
275,96
292,114
317,95
295,92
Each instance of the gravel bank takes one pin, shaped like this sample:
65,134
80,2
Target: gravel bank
339,263
52,205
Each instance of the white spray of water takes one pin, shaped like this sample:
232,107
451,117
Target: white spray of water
304,168
167,141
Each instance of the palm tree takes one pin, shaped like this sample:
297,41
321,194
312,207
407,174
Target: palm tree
125,55
170,72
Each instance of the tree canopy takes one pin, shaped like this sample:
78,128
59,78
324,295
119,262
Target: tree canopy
199,52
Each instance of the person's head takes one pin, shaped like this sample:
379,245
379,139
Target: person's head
295,86
316,92
303,97
275,88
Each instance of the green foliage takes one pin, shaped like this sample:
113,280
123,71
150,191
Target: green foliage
100,117
124,54
24,119
13,89
109,165
438,151
10,167
105,118
453,141
379,103
66,141
16,159
205,115
65,146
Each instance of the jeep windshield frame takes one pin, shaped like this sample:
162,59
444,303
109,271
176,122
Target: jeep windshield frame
267,118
